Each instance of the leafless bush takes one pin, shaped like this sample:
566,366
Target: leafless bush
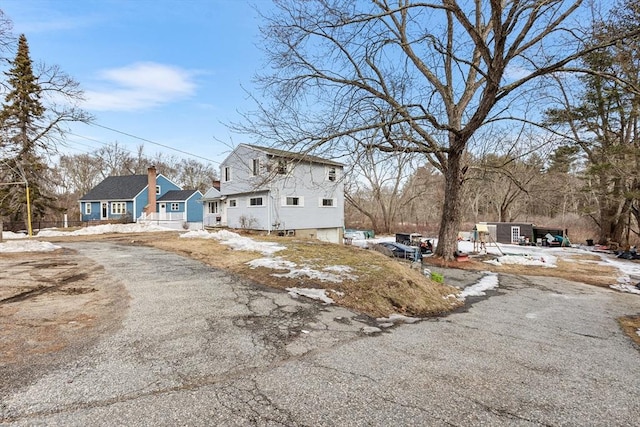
247,222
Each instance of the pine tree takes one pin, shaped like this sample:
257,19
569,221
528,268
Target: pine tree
21,150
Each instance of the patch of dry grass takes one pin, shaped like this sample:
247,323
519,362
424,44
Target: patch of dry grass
578,268
381,286
631,325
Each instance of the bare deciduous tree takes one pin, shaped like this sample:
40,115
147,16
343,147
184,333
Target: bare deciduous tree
376,184
427,74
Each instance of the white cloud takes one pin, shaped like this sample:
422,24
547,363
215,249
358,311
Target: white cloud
139,86
515,72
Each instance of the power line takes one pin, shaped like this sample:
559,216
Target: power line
106,144
154,143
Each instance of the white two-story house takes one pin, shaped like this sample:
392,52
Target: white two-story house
278,192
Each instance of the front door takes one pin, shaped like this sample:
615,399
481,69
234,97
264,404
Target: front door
104,210
515,234
162,211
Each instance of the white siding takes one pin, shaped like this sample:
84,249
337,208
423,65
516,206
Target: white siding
307,181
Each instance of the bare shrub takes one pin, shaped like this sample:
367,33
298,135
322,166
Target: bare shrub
247,222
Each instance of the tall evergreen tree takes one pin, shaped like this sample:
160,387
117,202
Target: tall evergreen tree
20,120
38,102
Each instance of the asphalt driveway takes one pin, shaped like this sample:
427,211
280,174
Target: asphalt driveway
197,346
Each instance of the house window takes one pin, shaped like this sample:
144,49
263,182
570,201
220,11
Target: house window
87,208
256,167
227,173
118,208
175,206
233,203
327,203
158,190
255,201
213,207
293,201
331,173
282,167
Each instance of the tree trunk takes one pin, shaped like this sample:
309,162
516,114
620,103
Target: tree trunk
451,212
612,209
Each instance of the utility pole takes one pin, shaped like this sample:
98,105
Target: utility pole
26,185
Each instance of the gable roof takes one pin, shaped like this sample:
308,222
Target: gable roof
294,156
118,188
177,195
212,193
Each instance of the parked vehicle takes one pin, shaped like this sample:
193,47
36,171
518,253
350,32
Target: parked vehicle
400,250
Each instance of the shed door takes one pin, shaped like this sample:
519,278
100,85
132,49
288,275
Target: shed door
515,234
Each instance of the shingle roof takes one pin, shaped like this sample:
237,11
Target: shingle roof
296,156
176,195
117,188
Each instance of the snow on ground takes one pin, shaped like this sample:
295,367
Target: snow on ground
27,246
236,241
277,263
332,274
487,282
525,259
397,318
7,235
104,229
317,294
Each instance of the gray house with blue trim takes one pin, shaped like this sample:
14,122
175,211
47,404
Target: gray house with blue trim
128,198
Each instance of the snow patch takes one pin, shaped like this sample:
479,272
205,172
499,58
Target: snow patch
236,241
397,318
332,274
489,281
623,287
277,263
317,294
525,259
7,235
27,246
104,229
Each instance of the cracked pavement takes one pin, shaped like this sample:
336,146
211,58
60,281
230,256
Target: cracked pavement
198,346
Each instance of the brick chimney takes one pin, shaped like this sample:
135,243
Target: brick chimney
151,185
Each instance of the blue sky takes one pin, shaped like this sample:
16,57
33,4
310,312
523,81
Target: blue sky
169,71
